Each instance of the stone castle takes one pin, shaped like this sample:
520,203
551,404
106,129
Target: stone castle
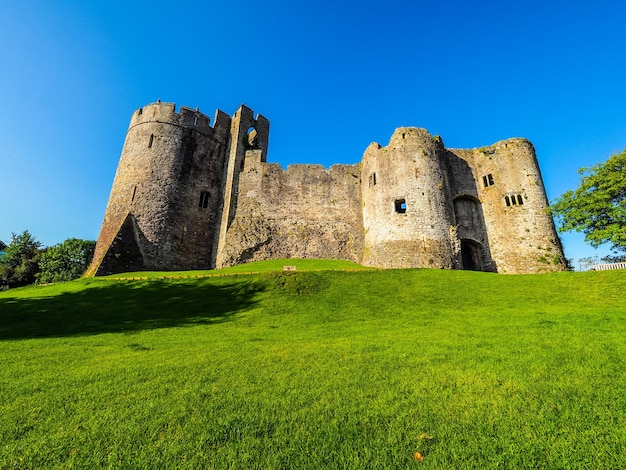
191,195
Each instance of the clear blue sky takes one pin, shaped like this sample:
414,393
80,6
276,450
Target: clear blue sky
330,76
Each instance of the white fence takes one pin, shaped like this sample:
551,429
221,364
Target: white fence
606,267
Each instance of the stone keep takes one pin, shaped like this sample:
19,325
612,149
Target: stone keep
191,195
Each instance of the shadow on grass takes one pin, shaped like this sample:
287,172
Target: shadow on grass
114,307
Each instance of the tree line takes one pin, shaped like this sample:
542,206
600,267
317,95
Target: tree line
26,262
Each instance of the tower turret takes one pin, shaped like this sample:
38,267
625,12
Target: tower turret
249,136
407,210
166,192
521,232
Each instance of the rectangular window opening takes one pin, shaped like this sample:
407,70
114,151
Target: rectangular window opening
400,206
204,200
514,200
151,141
372,179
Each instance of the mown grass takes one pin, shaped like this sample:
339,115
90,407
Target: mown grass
316,370
248,268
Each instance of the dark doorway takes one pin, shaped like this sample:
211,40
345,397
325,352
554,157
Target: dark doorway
470,255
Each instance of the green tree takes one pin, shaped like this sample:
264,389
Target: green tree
20,264
597,207
65,261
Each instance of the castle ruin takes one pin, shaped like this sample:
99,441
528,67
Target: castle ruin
191,195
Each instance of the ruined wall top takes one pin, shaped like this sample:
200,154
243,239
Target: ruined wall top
513,142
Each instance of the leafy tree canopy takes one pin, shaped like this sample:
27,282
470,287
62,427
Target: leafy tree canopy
20,264
65,261
597,207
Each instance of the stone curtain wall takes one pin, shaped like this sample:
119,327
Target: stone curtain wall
306,211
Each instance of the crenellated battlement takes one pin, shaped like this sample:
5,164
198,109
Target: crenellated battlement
162,112
304,170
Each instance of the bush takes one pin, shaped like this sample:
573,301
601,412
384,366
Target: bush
20,264
65,261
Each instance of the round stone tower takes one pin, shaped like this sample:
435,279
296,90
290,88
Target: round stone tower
407,205
521,231
167,192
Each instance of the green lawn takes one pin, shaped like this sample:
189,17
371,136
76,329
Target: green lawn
251,268
318,369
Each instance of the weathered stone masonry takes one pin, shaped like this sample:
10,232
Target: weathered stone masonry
191,195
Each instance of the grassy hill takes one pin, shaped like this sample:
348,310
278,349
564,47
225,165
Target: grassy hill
316,369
